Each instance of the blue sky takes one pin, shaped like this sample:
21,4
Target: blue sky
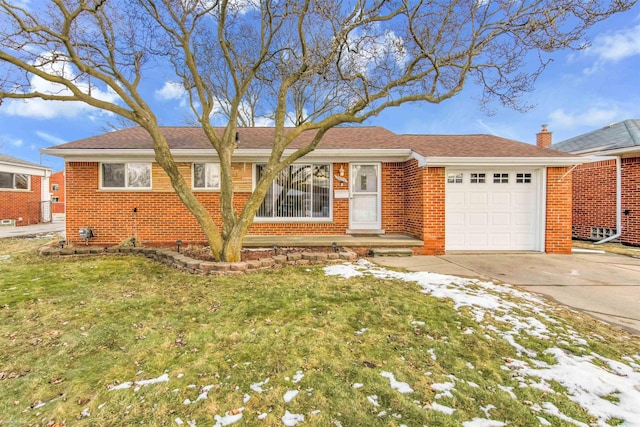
578,92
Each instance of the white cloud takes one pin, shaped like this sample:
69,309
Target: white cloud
365,50
50,138
41,109
171,91
613,47
593,117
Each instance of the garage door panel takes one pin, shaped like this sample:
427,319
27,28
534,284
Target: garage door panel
500,218
501,239
456,199
478,198
501,199
500,215
478,219
477,240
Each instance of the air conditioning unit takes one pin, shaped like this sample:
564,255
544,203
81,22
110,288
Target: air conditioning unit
7,222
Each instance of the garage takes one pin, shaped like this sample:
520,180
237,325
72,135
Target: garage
493,210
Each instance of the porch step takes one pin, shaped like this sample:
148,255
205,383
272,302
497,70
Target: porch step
391,252
364,232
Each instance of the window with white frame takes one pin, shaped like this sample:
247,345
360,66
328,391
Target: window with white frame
299,191
523,178
126,175
206,176
55,200
455,178
478,178
14,181
55,187
500,178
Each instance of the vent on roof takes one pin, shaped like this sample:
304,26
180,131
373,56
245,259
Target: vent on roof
599,233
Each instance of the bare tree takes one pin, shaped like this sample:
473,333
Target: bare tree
315,64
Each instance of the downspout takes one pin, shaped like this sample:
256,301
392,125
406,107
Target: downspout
618,204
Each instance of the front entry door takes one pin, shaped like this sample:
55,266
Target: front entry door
365,196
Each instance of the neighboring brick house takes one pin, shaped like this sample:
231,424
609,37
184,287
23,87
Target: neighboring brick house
57,192
606,191
24,192
458,192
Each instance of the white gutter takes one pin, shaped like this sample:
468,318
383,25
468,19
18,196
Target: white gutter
247,155
505,161
618,204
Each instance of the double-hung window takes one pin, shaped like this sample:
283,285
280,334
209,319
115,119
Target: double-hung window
126,175
14,181
206,176
299,191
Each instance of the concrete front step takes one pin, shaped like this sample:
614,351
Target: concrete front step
391,252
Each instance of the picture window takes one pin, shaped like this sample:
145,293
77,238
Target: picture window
14,181
206,176
126,175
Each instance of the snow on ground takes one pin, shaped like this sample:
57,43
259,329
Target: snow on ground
397,385
290,420
605,388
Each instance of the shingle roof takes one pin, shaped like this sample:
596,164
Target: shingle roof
8,159
474,146
620,135
360,137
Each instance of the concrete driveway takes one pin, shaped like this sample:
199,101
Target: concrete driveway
606,286
32,230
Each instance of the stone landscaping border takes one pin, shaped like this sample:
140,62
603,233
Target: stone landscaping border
195,266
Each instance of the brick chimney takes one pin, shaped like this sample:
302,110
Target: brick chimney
543,138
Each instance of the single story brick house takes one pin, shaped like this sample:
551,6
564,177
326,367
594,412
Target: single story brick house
606,190
24,192
452,192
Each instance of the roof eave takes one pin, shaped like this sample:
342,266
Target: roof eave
504,161
246,155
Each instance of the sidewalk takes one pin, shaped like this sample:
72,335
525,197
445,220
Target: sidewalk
32,230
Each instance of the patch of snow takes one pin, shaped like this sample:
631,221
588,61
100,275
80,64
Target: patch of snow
344,270
289,395
262,416
418,322
228,419
441,408
509,390
257,387
161,379
432,353
544,421
445,388
246,398
487,408
361,331
401,387
179,421
290,420
374,400
299,375
357,385
551,409
315,412
86,413
483,422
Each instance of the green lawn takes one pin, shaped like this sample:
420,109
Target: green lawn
79,337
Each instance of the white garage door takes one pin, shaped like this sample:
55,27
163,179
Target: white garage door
492,209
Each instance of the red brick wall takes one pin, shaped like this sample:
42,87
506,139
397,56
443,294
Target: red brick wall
594,197
57,178
631,201
25,204
413,190
433,180
161,217
558,211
